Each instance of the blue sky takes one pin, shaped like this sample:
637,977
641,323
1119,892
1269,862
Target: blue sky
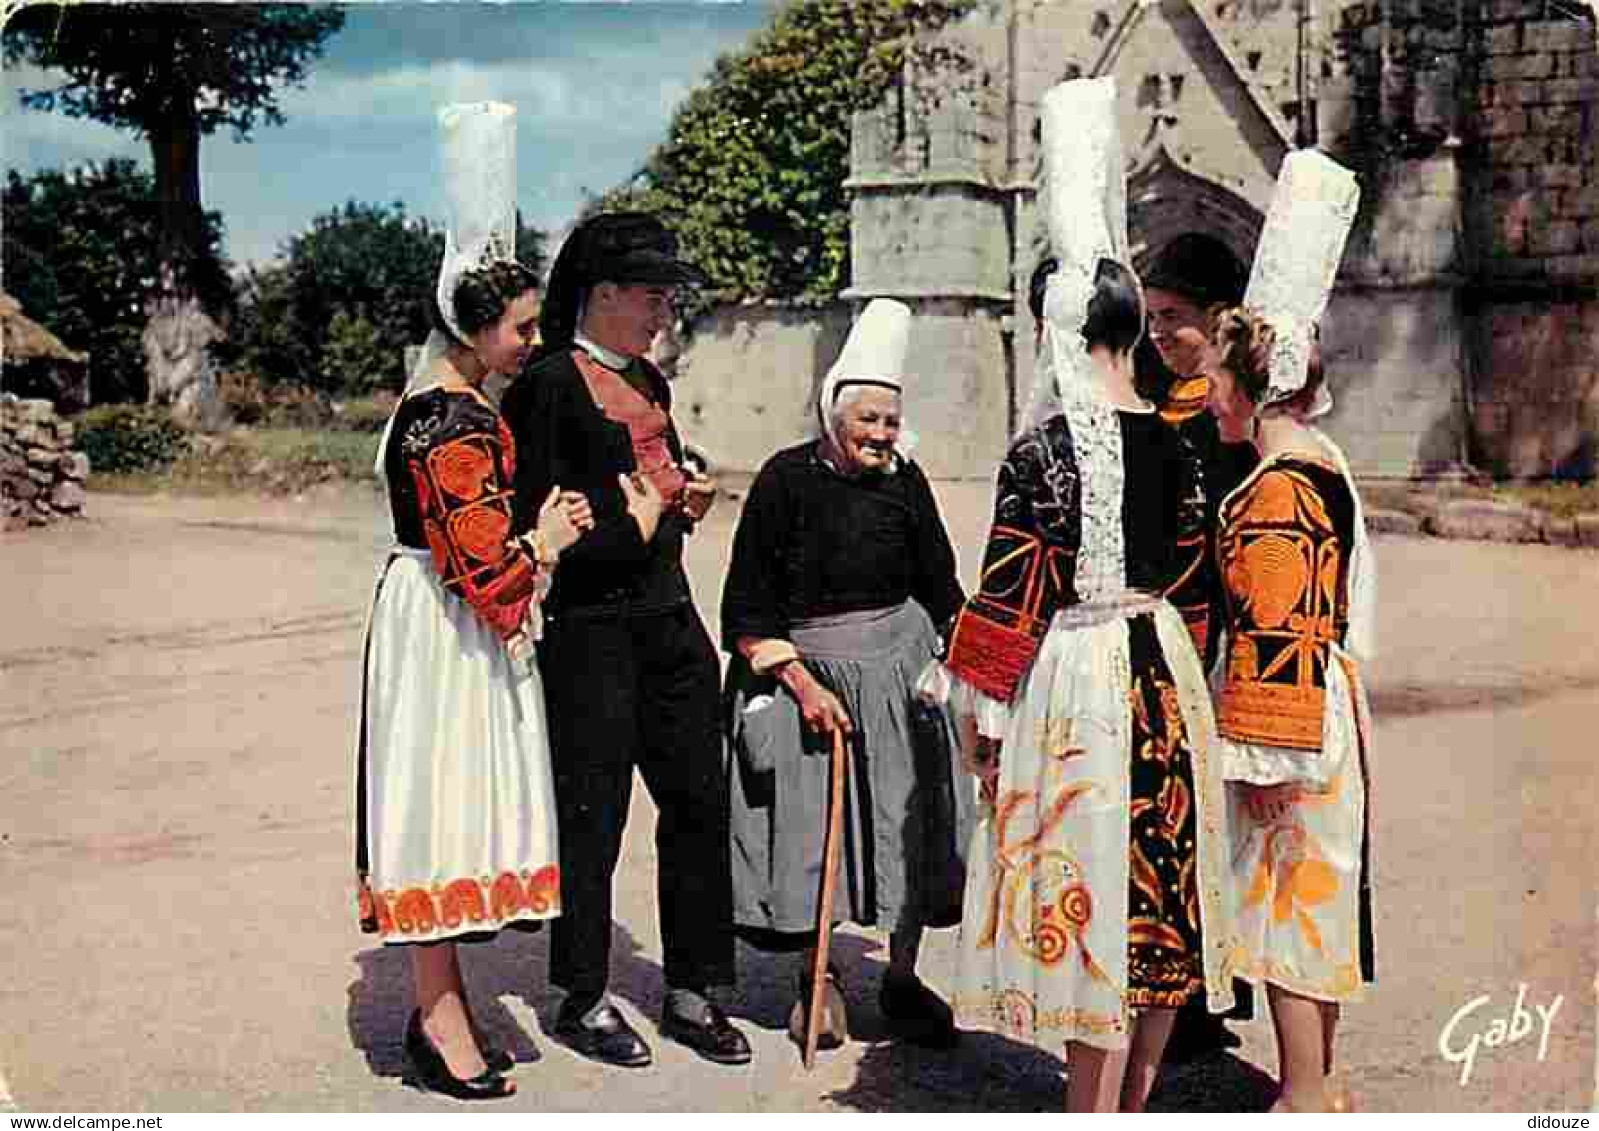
594,83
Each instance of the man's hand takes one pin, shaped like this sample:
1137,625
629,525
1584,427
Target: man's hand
644,502
699,492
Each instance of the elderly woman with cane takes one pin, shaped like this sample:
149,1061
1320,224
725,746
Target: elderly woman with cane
841,573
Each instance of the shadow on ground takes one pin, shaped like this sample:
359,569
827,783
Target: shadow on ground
992,1073
514,964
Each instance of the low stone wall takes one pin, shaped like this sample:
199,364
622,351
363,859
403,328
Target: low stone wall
41,476
748,376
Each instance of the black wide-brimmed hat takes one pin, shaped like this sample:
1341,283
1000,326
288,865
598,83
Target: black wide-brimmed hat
612,247
1200,268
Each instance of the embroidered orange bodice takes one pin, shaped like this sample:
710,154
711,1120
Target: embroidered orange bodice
461,463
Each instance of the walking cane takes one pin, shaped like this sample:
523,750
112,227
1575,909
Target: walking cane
831,851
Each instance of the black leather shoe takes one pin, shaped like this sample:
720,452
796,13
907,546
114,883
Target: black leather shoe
497,1059
712,1035
606,1037
435,1076
916,1014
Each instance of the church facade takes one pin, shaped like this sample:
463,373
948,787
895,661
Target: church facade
1464,330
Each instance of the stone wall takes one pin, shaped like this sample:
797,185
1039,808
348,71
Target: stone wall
41,477
747,378
1534,223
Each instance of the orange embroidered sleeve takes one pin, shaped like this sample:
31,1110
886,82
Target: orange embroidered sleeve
1028,568
1281,562
464,488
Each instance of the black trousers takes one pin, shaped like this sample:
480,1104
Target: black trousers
638,690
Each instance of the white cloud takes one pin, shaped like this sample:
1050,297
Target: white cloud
567,93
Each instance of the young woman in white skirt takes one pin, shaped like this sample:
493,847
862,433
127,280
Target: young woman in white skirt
455,815
1299,589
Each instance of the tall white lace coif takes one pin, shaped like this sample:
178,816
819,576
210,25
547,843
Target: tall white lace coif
479,168
1296,262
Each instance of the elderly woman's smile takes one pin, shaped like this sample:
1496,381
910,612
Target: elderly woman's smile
868,427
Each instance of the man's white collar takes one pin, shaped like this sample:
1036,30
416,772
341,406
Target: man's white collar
606,357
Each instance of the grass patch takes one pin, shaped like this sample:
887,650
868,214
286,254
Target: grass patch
272,460
1563,500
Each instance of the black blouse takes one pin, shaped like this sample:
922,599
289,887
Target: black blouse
812,542
1030,562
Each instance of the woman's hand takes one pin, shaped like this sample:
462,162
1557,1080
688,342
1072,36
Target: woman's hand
557,523
985,764
644,502
1270,802
820,708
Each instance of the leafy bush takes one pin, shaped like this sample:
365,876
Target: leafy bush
751,175
124,438
78,251
253,402
351,293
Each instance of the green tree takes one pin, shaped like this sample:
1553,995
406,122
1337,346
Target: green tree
353,290
79,248
171,73
752,172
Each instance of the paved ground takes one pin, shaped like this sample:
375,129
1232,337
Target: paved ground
178,683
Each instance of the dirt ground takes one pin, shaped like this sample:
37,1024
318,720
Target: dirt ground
178,698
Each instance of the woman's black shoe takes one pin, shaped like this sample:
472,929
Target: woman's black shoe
435,1076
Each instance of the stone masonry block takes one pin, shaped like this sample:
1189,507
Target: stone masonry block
1503,40
1520,151
1562,237
1582,268
1504,11
1564,120
1564,35
1558,176
1501,122
1510,180
1584,201
1508,68
1575,92
1519,93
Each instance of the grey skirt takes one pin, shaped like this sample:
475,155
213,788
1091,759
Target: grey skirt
908,807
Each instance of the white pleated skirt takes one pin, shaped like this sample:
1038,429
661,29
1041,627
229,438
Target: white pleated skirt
1044,943
456,826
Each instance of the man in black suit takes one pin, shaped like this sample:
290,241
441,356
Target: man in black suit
631,678
1189,282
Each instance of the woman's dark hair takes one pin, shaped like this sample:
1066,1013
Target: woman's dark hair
482,296
1244,342
1039,284
1116,312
